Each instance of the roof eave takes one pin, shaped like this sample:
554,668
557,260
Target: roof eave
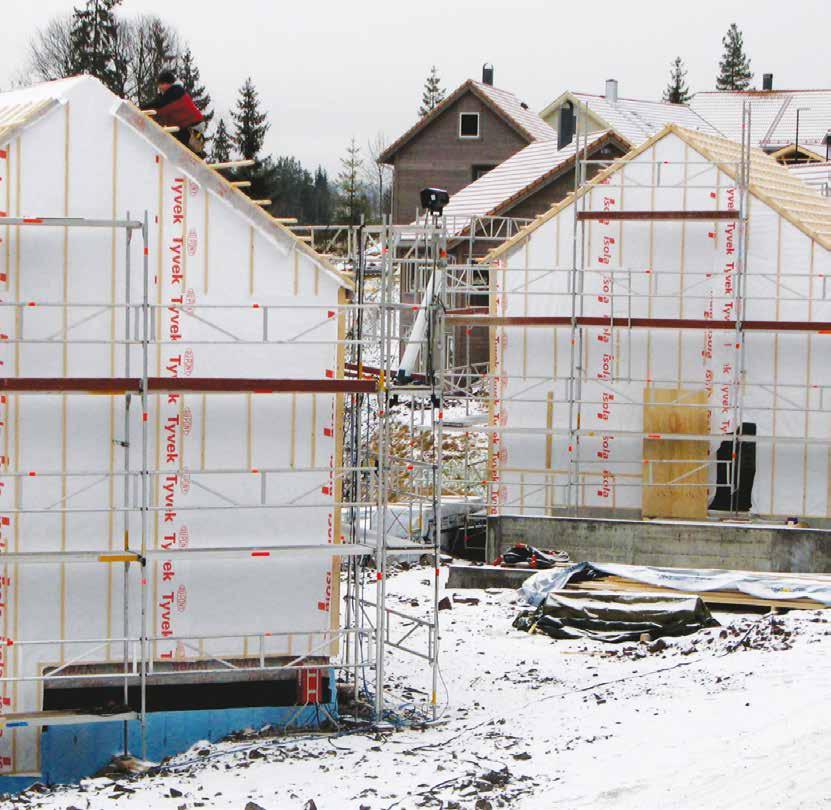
581,105
557,171
388,155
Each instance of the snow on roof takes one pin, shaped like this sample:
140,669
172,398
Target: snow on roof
634,119
530,121
511,179
815,175
773,115
504,103
770,181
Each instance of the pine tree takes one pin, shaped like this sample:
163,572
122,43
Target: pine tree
221,144
188,75
433,93
353,200
734,66
677,91
93,38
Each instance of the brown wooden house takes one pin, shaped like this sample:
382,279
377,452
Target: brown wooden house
474,129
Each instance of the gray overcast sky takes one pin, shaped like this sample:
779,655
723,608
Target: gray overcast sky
326,71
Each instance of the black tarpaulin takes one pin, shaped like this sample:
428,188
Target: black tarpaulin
615,617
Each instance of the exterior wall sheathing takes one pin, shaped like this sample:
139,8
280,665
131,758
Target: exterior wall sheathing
662,269
81,161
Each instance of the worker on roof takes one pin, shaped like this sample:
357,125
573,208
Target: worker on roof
175,108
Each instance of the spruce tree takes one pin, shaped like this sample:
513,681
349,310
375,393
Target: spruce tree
250,128
322,214
250,124
221,144
433,93
93,39
188,75
734,66
677,91
353,199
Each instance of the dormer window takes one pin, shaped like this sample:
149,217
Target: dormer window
468,125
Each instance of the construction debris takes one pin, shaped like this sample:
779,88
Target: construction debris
522,555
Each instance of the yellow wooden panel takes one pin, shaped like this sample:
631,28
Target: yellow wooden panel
676,489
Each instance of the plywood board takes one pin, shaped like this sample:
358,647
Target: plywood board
676,489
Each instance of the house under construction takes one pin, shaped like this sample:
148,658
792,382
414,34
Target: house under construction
657,353
211,433
172,424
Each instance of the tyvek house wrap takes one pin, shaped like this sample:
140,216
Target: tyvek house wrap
784,374
206,247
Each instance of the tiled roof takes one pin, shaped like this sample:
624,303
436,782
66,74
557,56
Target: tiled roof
505,104
636,120
773,115
513,179
519,112
770,181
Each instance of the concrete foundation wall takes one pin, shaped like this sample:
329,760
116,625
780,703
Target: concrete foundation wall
665,543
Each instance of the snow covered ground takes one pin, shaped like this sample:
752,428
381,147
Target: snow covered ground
732,717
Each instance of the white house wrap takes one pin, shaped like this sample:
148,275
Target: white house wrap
656,300
234,295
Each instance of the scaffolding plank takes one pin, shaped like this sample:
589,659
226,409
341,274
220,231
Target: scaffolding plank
226,385
260,386
639,323
609,216
307,551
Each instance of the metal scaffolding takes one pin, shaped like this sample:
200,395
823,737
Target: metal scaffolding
370,626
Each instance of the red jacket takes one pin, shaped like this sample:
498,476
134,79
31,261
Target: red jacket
175,108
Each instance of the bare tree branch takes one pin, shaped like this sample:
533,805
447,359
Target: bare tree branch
378,175
50,51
